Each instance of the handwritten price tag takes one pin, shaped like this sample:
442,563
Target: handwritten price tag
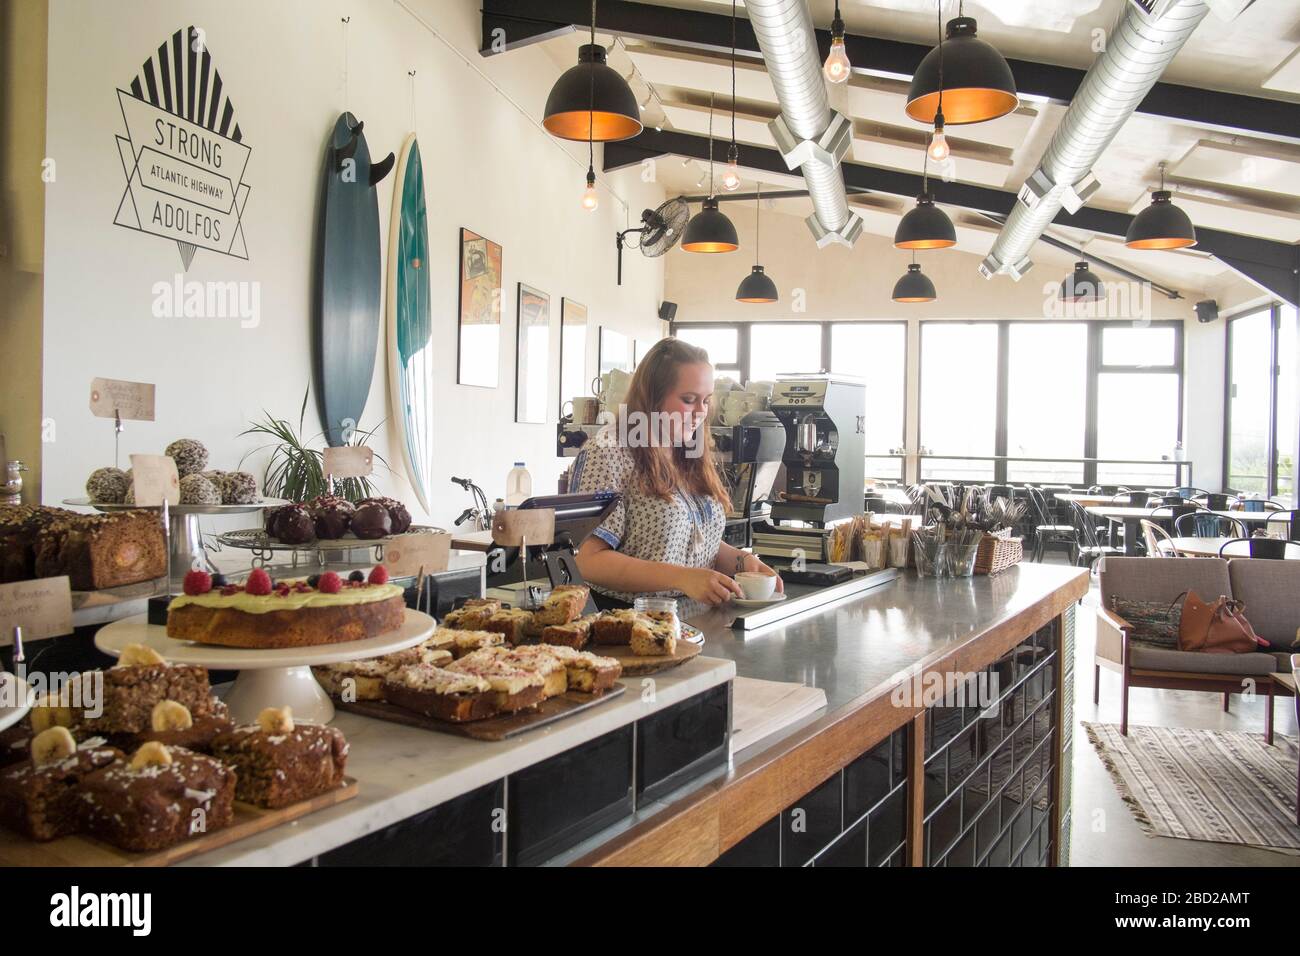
42,608
408,553
510,528
349,461
133,401
155,480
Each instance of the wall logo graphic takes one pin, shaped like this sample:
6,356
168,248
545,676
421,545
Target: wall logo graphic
183,153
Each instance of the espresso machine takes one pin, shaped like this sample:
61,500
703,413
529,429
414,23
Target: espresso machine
749,457
825,447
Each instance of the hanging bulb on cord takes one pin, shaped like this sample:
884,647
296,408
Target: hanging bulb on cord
837,66
731,175
938,149
589,198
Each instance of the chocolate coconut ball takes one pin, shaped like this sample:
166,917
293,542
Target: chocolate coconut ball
197,490
238,488
371,520
107,485
397,513
190,455
293,525
332,514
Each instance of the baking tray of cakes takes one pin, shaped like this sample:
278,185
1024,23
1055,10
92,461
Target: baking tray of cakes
140,765
491,672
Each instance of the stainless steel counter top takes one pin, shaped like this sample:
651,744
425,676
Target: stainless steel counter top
856,644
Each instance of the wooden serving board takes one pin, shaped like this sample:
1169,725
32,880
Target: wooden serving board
637,666
494,728
17,850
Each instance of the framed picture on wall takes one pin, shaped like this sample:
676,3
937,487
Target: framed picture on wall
614,351
573,352
532,355
478,345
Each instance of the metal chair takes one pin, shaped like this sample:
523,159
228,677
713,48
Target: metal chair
1155,537
1254,505
1273,549
1188,492
1046,531
1131,499
1220,501
1090,545
1289,522
1206,524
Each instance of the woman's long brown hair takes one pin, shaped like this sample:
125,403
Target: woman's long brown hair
661,470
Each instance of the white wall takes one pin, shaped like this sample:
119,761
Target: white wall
487,167
855,284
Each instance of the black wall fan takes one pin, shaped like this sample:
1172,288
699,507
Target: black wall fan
661,229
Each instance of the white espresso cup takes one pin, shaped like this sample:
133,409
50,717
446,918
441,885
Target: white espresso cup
757,585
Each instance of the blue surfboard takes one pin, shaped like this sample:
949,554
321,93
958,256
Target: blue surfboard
345,306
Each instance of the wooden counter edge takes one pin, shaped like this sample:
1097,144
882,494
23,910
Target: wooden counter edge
707,823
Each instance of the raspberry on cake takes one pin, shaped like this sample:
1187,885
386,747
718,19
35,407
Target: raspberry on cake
278,762
38,796
261,615
161,796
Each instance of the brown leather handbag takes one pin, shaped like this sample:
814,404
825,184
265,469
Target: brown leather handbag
1219,627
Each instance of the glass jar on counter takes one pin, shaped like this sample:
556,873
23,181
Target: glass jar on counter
661,609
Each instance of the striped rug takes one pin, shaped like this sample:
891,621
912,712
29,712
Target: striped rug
1212,785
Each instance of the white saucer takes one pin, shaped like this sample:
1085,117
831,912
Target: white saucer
15,699
776,598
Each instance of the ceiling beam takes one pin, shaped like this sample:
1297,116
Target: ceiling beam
509,24
1275,265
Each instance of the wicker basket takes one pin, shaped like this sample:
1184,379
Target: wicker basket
998,551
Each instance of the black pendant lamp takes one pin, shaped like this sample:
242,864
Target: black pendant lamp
709,230
757,287
926,226
1162,225
1082,285
590,100
977,83
914,286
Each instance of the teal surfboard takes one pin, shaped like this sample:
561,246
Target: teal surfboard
410,338
345,301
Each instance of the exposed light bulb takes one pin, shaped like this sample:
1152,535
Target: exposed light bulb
837,66
938,148
589,198
731,177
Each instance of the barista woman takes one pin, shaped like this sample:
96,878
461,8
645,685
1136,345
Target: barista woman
665,536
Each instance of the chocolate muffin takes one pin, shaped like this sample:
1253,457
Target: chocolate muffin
332,516
371,520
397,513
294,525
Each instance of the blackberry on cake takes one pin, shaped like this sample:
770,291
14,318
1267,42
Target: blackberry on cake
107,486
189,454
198,490
278,762
161,796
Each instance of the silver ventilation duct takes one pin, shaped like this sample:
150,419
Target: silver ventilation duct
809,134
1136,54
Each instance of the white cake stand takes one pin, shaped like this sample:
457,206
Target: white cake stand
271,677
15,699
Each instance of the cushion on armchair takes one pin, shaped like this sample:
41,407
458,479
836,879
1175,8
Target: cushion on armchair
1270,590
1155,623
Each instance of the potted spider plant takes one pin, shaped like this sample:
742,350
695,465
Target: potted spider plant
295,470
